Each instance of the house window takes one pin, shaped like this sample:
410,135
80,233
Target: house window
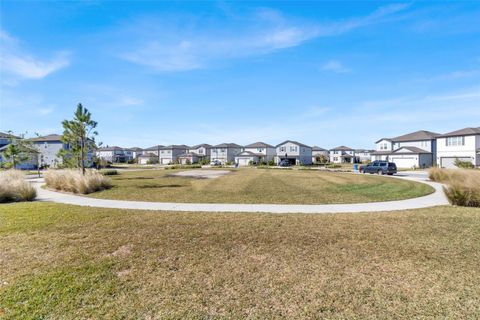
260,149
335,158
293,148
282,149
455,141
222,150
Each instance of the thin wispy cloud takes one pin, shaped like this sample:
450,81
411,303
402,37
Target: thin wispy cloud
335,66
168,47
21,64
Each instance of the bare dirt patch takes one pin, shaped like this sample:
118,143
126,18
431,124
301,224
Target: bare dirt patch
201,174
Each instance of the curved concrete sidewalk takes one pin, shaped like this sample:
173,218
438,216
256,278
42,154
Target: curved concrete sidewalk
437,198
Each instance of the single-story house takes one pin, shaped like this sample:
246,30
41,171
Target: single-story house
147,158
319,155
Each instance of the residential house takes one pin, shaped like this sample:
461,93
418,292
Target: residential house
136,152
342,154
147,158
295,152
195,154
29,160
319,155
5,139
169,154
363,155
417,149
463,144
255,153
114,154
48,148
225,152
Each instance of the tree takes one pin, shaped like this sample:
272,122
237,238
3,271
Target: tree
18,150
79,134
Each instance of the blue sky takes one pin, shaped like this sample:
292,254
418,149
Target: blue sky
323,73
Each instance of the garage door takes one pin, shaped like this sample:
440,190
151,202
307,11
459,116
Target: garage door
407,162
243,161
165,161
449,162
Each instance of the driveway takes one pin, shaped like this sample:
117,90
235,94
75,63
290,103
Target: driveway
437,198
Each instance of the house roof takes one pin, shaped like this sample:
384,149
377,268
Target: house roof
204,145
417,135
383,139
246,153
259,145
112,148
315,148
363,150
8,135
343,148
462,132
175,146
154,147
294,142
411,150
50,137
136,149
227,145
147,155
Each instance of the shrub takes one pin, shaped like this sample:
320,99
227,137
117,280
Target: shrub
73,180
464,164
183,166
14,187
462,186
271,162
111,172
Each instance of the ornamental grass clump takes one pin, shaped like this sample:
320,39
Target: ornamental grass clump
462,185
72,180
14,187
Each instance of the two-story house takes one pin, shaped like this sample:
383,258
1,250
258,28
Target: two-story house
342,154
136,151
257,152
225,152
29,159
463,144
363,155
413,150
48,148
295,152
320,155
195,154
169,154
114,154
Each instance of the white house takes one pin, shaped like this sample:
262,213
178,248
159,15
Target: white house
417,149
114,154
169,154
319,153
463,144
225,152
295,152
147,158
255,153
363,155
342,154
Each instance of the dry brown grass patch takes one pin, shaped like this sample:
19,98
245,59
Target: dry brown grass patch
463,185
14,187
72,180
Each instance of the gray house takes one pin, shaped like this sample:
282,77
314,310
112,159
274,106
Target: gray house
114,154
225,152
319,153
48,148
295,152
169,154
417,149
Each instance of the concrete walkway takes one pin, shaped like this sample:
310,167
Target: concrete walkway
437,198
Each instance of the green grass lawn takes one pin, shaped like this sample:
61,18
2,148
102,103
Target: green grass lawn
69,262
261,186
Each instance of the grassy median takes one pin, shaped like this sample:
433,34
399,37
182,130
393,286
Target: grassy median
261,186
60,261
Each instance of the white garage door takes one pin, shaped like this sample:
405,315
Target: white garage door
243,161
165,161
407,162
449,162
